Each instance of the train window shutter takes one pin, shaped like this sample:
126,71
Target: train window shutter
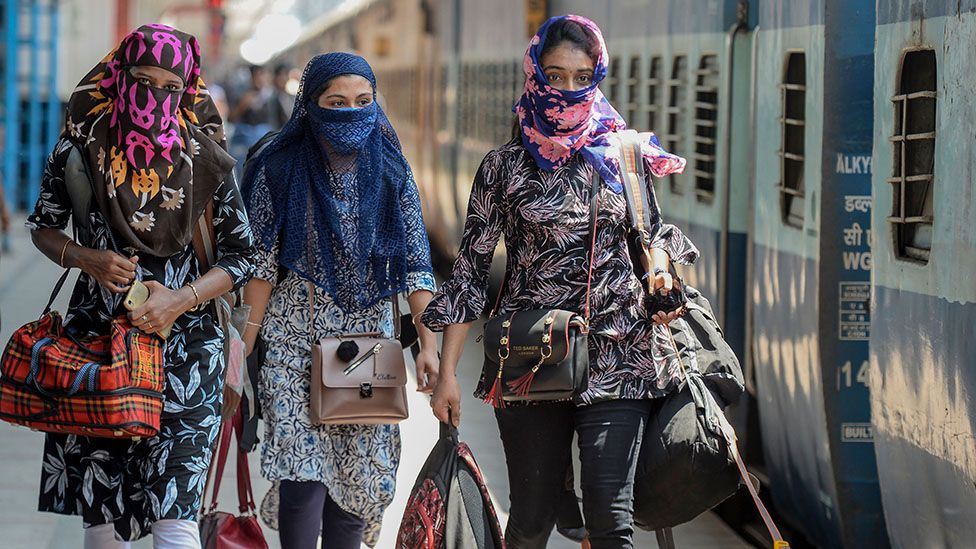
633,89
792,142
706,126
914,156
653,93
677,90
613,81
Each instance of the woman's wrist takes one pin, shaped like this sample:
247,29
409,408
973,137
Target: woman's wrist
188,299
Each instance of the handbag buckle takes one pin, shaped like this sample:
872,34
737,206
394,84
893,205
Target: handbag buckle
365,390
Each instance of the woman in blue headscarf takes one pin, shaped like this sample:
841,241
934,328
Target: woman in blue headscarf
335,210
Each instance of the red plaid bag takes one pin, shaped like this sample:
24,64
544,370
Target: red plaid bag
105,386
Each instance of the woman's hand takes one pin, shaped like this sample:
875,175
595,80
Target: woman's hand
659,262
447,396
108,268
162,309
428,366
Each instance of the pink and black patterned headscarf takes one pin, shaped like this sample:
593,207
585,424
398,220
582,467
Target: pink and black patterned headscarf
155,155
557,123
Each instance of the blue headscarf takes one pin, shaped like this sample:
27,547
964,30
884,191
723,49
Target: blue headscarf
327,188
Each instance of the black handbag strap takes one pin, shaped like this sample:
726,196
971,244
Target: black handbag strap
594,212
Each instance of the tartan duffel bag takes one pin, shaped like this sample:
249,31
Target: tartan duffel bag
104,386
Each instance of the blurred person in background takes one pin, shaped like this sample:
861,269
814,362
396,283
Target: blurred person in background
253,115
4,209
284,101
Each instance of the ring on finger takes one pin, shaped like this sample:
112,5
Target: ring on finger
145,318
150,325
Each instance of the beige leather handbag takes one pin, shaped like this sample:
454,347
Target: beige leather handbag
363,383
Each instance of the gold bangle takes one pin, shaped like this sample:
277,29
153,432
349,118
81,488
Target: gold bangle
196,296
64,249
255,324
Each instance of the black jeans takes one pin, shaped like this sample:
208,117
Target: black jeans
305,509
537,441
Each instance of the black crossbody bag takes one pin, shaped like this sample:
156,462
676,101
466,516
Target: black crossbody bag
540,354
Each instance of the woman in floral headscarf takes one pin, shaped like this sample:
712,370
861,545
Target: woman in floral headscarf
535,191
151,142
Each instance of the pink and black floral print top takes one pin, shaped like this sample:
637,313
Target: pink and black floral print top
544,217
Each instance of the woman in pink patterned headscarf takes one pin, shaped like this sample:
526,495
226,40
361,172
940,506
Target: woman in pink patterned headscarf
536,191
143,135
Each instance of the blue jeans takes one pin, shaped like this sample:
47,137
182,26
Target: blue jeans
305,509
537,441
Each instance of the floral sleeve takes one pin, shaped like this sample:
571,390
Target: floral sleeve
462,297
53,207
235,243
667,237
420,273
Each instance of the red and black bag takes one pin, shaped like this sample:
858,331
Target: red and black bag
221,530
105,386
449,506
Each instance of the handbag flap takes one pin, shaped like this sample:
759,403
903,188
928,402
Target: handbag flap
379,362
526,335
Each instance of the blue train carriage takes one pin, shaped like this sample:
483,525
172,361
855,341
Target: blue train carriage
811,266
922,372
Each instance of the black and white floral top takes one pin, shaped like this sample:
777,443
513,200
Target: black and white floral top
544,217
134,483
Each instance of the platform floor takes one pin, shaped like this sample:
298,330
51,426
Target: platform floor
26,279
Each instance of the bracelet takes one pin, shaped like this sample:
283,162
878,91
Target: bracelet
658,270
255,324
64,249
196,296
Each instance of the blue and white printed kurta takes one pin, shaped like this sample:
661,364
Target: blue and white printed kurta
357,463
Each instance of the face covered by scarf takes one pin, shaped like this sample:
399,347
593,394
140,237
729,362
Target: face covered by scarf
327,191
555,124
155,154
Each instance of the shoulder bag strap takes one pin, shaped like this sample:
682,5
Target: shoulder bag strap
633,178
217,466
635,187
594,212
205,238
245,493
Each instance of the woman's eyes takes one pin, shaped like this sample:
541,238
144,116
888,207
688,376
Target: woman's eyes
584,79
365,102
338,104
553,77
168,87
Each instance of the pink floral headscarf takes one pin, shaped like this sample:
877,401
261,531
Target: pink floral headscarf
155,155
557,123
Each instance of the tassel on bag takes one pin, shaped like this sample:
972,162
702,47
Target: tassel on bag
494,396
521,385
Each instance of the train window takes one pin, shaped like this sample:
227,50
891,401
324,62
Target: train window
613,80
792,144
675,112
633,89
706,124
653,90
914,156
